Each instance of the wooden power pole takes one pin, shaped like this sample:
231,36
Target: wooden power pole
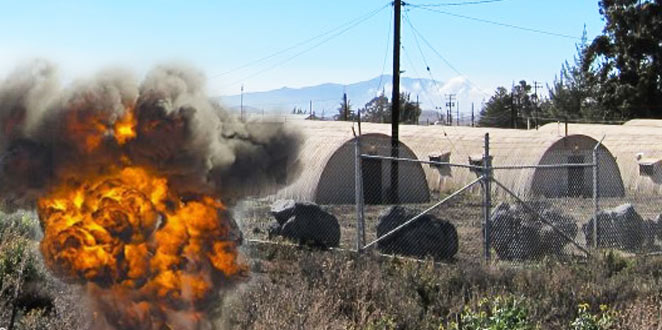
395,101
345,107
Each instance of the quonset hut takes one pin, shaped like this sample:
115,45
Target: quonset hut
327,159
516,147
636,147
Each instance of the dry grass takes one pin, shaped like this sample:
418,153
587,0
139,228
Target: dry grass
295,287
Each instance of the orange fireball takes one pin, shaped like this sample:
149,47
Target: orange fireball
129,233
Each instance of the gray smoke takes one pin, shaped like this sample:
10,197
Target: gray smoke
50,134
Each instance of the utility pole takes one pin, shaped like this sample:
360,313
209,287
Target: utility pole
449,108
418,107
345,107
395,100
457,118
310,109
513,111
440,114
536,85
472,114
241,108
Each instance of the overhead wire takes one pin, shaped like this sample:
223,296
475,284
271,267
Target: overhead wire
443,58
482,20
298,44
452,144
302,101
420,51
388,47
461,3
331,37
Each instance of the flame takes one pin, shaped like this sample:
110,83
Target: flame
125,127
88,129
147,252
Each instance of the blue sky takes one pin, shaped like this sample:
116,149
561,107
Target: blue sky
83,37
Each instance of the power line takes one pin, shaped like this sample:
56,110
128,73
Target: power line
295,102
296,45
415,33
356,23
451,66
447,4
453,147
411,63
512,26
420,51
388,46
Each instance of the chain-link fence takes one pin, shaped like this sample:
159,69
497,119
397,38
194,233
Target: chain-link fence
503,206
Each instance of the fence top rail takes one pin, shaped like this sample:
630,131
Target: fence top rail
564,165
429,162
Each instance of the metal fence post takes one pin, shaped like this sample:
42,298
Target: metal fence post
487,198
358,189
596,196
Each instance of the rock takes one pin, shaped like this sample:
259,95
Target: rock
518,234
550,240
273,229
651,231
657,227
621,227
428,236
282,210
308,224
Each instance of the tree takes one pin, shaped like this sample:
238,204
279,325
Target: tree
345,111
298,111
627,59
572,96
496,112
409,111
523,103
378,110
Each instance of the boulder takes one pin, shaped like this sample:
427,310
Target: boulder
518,234
428,236
651,230
283,210
307,224
656,225
273,229
621,228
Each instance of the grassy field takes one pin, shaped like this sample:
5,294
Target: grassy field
292,287
295,288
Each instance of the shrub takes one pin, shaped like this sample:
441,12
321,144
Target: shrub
24,224
603,320
500,313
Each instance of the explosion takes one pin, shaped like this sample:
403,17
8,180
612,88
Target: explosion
131,185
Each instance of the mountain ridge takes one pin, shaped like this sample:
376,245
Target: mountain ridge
326,97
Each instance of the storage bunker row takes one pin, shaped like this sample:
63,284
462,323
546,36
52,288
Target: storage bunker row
327,163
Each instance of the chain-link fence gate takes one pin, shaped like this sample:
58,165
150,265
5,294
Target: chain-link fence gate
502,205
500,221
442,227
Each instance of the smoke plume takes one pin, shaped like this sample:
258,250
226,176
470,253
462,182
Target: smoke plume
133,183
48,131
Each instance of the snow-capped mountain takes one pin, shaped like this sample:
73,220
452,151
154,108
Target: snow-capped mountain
326,98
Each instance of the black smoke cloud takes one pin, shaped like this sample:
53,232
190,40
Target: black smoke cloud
181,134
